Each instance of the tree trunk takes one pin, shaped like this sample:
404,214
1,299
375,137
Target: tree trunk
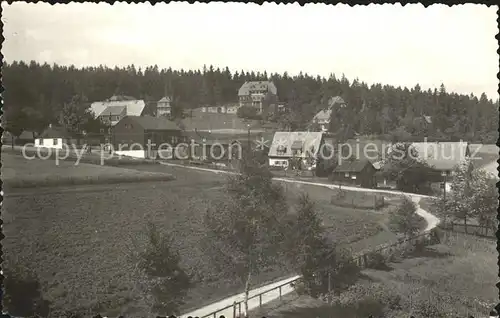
12,143
465,223
247,290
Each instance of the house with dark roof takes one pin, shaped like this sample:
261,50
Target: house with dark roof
358,172
146,137
258,94
111,115
55,137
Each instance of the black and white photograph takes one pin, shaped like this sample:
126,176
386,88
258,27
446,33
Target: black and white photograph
243,160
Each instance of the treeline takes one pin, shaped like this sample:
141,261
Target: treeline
383,110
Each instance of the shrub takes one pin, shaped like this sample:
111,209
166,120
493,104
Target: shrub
376,260
426,309
23,295
167,280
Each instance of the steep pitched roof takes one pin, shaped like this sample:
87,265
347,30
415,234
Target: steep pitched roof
165,99
323,115
442,155
257,85
352,165
55,132
154,123
134,107
113,110
285,140
336,100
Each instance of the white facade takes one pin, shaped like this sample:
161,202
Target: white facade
132,153
278,162
55,143
233,109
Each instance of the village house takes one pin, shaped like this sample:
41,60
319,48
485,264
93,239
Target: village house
358,172
443,157
304,146
111,111
259,94
132,135
54,137
163,107
323,117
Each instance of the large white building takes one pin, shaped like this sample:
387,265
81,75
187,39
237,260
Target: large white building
254,94
111,111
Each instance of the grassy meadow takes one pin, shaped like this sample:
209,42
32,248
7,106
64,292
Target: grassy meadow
456,277
81,239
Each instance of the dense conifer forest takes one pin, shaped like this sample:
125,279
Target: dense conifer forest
37,94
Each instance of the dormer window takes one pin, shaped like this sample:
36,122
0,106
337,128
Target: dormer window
281,149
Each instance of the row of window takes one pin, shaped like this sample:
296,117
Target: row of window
55,141
281,162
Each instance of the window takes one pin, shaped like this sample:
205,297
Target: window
353,177
281,150
40,141
54,141
346,174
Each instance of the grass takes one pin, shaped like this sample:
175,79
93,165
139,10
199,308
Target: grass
18,172
455,277
81,239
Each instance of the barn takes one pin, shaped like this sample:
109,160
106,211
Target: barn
146,137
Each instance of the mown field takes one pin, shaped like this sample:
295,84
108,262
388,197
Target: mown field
456,277
19,172
81,239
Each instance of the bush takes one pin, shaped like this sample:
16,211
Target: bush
376,260
23,295
167,280
425,309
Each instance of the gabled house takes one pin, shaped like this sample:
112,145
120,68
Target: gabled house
304,146
146,137
54,137
163,107
358,172
115,108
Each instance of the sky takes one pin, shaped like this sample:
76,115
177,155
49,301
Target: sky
388,44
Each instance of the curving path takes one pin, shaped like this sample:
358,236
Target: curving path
432,222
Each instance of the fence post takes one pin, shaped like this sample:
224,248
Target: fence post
215,314
329,281
239,309
260,300
234,309
280,292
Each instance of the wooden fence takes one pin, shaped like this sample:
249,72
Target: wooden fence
471,229
362,260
